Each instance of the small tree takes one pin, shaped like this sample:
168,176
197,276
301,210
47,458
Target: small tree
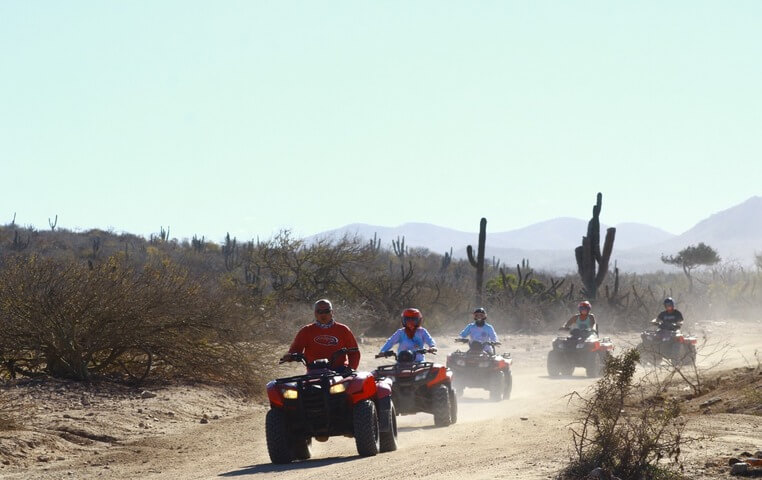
692,257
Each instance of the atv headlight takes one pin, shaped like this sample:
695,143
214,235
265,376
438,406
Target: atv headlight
290,394
338,388
461,363
580,345
421,376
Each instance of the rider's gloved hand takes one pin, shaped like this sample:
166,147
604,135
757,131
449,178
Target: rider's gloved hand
286,358
433,349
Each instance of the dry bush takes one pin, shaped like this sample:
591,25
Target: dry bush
621,430
75,320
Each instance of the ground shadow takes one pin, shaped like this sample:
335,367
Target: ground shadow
475,400
301,465
413,429
566,377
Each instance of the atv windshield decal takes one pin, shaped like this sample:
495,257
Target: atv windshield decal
328,340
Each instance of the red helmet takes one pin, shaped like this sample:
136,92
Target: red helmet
584,305
412,315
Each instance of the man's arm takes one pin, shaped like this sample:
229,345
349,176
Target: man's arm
466,330
354,357
391,341
492,334
428,339
298,345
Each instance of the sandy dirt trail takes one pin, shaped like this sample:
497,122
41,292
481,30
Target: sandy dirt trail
526,437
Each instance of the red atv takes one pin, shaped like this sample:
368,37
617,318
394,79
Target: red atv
325,403
668,343
480,367
581,348
420,386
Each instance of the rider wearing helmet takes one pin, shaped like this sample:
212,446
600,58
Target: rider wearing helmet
584,320
670,319
323,337
412,336
480,330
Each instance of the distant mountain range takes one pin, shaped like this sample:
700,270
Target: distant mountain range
736,233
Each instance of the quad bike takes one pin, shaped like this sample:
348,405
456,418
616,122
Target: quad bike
420,386
324,403
667,343
479,368
580,348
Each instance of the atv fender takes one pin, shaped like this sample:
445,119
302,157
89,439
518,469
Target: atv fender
362,387
274,395
383,388
442,375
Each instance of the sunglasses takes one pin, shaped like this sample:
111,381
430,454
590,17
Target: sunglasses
323,311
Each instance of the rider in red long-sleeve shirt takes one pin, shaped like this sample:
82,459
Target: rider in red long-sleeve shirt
323,337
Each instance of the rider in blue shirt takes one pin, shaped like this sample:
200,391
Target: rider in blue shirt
412,336
480,330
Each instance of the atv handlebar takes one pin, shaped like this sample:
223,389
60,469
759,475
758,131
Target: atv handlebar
465,340
391,353
299,357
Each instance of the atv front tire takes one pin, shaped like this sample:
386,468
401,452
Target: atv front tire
555,363
301,448
276,431
508,385
440,405
497,387
365,420
689,356
388,440
594,365
453,406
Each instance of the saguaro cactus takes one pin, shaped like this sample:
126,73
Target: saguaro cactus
478,262
399,247
589,253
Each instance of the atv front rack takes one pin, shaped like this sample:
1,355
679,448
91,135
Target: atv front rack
309,376
403,368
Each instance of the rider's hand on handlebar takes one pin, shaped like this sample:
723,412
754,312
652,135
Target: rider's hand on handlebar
433,350
286,358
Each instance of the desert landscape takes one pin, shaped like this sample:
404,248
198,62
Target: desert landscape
195,432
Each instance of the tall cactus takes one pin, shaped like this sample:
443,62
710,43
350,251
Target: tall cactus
399,247
478,262
589,253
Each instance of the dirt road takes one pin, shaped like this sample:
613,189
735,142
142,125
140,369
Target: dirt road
526,437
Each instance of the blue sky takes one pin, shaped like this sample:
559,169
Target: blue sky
250,117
